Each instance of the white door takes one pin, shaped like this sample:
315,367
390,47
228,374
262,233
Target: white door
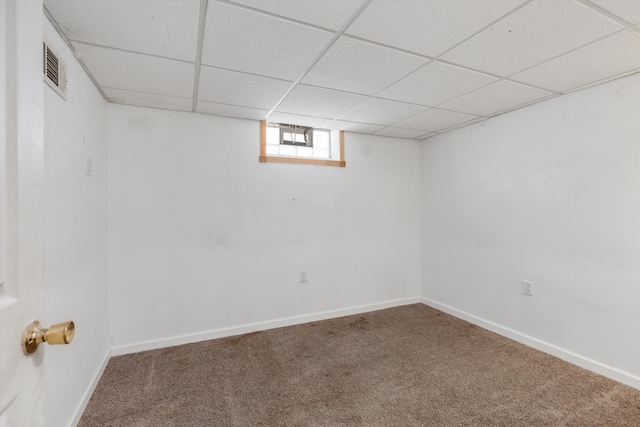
21,238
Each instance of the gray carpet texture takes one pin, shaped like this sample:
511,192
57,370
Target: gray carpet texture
404,366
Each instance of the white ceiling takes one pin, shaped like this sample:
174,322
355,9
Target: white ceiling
404,68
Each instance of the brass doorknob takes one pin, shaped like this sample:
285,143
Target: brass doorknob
34,335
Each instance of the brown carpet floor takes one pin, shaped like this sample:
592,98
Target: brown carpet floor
404,366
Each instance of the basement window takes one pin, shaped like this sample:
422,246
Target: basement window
286,143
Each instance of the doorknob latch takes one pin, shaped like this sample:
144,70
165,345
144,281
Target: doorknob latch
34,335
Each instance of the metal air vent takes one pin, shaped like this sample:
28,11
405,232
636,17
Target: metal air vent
55,71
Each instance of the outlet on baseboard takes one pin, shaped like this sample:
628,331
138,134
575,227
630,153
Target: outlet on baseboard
527,287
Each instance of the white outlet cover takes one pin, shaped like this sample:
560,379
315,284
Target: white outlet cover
527,287
89,168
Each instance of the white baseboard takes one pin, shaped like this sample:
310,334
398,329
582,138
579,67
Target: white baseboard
90,389
255,327
567,356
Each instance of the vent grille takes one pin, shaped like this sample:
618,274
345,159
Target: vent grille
52,67
55,71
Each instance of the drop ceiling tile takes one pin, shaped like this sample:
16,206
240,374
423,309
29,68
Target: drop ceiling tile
537,32
400,132
427,27
435,119
614,55
163,28
231,87
629,10
118,69
297,119
348,65
332,14
319,102
382,112
231,111
353,126
242,40
496,98
148,99
436,83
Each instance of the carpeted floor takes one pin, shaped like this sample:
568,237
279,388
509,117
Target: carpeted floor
404,366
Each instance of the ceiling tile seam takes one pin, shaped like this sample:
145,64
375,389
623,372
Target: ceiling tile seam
608,15
494,22
331,42
243,106
435,130
386,46
224,115
554,93
437,58
358,123
411,117
523,105
66,40
375,96
247,73
359,132
406,138
404,102
302,115
405,76
144,93
467,68
231,105
275,15
239,105
420,130
390,126
435,108
372,98
202,18
410,52
131,51
461,125
166,107
510,76
508,79
378,95
462,112
428,59
362,94
496,76
601,81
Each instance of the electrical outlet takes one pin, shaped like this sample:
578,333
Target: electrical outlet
303,276
527,287
89,167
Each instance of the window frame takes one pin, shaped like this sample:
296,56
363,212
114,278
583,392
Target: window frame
264,158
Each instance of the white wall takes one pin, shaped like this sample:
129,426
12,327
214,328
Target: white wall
551,194
76,282
203,237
